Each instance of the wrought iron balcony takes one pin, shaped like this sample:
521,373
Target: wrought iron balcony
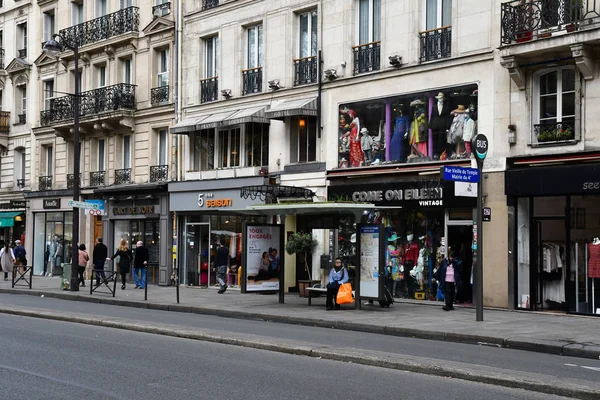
122,176
97,178
206,4
102,28
71,181
23,52
1,58
45,182
4,121
436,44
161,10
367,57
209,89
159,95
523,21
305,70
252,79
159,173
22,118
110,98
555,132
20,183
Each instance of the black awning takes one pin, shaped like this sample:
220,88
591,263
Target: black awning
557,180
275,191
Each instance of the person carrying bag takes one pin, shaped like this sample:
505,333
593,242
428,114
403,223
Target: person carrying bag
337,277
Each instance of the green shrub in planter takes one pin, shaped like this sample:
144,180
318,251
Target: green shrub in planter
301,242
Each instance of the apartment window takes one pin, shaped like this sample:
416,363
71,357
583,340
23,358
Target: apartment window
47,171
303,139
101,154
436,40
22,103
556,105
20,163
204,150
369,21
162,147
126,3
257,145
101,72
126,152
163,68
101,8
127,71
22,38
255,51
77,12
48,93
48,18
438,14
212,57
308,34
229,148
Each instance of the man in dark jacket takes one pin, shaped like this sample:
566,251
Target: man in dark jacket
221,264
448,276
99,256
142,256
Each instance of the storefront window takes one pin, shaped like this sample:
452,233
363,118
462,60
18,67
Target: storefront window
421,127
303,139
52,241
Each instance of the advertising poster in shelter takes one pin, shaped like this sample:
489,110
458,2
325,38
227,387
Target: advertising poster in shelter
262,254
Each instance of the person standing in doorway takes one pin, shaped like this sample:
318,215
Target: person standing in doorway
141,262
449,276
84,258
221,263
7,259
125,256
99,256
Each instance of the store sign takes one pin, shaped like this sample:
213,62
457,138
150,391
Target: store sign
138,210
18,204
553,181
208,200
51,204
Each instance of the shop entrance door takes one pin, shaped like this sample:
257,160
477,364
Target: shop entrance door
197,271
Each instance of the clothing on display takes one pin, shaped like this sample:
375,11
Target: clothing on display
418,130
594,259
397,141
469,132
439,123
553,273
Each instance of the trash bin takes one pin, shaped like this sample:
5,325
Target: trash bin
65,280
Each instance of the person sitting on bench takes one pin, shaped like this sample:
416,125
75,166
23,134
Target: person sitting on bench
337,276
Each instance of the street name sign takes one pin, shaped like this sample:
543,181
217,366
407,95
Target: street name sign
459,174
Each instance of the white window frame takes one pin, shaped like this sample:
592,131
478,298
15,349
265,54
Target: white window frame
22,31
48,161
101,8
77,13
101,148
48,97
162,70
214,64
228,131
22,101
311,52
162,147
559,94
125,4
257,43
49,24
101,74
439,14
371,37
22,163
127,70
127,151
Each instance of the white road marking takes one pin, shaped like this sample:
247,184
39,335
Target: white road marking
570,365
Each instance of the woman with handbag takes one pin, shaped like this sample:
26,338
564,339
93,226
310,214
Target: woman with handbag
84,258
125,256
337,276
7,259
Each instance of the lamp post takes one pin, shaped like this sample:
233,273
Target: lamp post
53,47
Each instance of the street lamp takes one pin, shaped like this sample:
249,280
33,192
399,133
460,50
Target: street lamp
53,48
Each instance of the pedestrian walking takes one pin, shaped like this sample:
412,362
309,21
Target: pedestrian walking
84,258
20,255
221,264
7,259
124,265
337,276
142,256
449,277
99,256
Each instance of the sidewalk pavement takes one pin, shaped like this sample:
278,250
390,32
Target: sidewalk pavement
575,336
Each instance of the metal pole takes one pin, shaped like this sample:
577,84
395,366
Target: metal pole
478,274
76,172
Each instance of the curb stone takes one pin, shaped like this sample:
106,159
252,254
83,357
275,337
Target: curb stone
578,350
485,375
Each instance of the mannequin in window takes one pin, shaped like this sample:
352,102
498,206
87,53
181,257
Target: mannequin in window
357,157
594,261
366,142
397,141
418,130
439,123
468,132
455,133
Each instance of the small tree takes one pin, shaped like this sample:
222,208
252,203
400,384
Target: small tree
304,243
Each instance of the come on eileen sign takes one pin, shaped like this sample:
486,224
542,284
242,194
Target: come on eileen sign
459,174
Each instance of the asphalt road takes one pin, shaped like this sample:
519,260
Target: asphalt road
47,360
515,360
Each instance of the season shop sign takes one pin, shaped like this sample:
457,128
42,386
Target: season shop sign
209,200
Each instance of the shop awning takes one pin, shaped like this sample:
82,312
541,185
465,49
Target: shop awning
289,108
214,120
7,218
253,114
187,125
323,208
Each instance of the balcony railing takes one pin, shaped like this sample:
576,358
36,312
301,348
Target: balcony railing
252,79
22,118
20,183
122,176
102,28
555,132
206,4
97,178
23,52
1,58
305,70
159,95
159,173
4,121
161,10
71,181
436,44
523,21
45,182
367,57
109,98
209,89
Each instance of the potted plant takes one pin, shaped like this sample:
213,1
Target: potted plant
302,243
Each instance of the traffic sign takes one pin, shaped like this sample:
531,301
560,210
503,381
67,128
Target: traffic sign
82,204
459,174
481,146
487,214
